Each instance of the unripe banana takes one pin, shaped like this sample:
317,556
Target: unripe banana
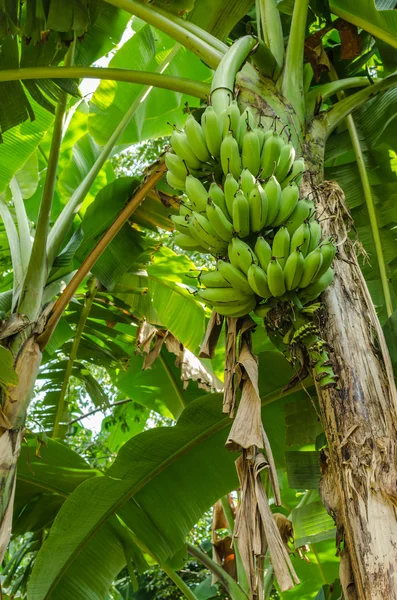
313,262
174,182
280,246
247,121
176,165
185,208
286,160
258,204
213,279
315,235
247,181
234,276
230,156
315,289
186,242
219,222
288,202
236,310
230,119
257,279
250,154
201,229
212,131
222,296
296,174
275,278
241,255
180,224
263,251
241,214
181,147
196,193
218,197
195,137
230,188
328,251
302,211
301,239
271,154
293,269
273,192
260,134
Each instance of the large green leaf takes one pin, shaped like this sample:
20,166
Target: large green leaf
380,23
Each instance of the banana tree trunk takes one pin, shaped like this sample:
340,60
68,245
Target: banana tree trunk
15,403
359,466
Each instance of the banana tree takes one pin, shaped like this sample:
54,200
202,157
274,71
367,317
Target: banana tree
358,416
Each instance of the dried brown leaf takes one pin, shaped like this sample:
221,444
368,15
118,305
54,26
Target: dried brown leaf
212,334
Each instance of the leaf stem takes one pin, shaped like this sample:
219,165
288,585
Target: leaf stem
36,275
292,80
329,89
272,31
25,241
72,356
186,591
96,252
95,410
192,87
188,39
241,574
13,242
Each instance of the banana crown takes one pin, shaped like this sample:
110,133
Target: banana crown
242,204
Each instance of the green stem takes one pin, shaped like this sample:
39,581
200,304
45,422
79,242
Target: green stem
65,219
13,242
173,381
231,587
227,509
72,356
268,582
333,87
36,275
192,87
130,568
241,574
25,242
189,40
272,31
292,81
319,565
344,107
186,591
222,87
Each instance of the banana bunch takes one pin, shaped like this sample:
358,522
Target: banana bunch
227,143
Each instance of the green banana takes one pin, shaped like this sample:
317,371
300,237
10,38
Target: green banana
247,181
230,295
258,281
236,310
241,255
263,251
260,134
219,222
234,276
288,202
176,165
301,239
315,289
328,251
230,119
230,188
250,154
186,242
313,262
271,154
212,131
241,214
286,160
195,137
315,235
296,174
185,208
213,279
301,213
293,269
280,246
181,147
174,182
201,229
218,197
230,156
275,278
196,193
273,192
180,224
247,120
258,204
